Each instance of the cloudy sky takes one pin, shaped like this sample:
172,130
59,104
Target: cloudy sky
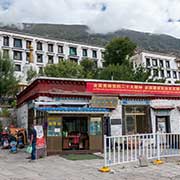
155,16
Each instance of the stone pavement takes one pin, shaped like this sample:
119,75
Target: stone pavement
17,167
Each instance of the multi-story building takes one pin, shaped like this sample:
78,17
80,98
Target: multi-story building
161,66
45,51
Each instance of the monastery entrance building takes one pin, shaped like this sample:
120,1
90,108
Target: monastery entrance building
76,113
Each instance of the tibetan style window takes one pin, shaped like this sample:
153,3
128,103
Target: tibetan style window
73,51
17,67
39,58
17,55
174,74
60,49
27,56
94,54
155,73
17,43
84,52
154,62
136,119
167,64
50,59
5,53
161,63
50,47
162,73
28,44
148,63
39,46
168,74
60,59
5,41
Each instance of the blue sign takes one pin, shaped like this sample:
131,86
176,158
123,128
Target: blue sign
135,102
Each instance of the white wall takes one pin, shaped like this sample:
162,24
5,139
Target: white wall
22,116
45,52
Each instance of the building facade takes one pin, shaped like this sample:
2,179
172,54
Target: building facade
161,66
45,51
77,113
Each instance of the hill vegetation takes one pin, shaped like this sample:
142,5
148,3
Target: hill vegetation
81,33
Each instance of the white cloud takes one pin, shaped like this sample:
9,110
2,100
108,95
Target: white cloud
100,15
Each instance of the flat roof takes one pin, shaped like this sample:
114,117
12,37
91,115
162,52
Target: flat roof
48,38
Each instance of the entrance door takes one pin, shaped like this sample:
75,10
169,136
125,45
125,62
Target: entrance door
163,124
75,133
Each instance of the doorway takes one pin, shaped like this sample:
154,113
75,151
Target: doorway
163,124
75,134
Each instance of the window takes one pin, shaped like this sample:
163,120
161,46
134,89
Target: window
6,41
50,59
94,54
60,59
102,54
5,53
60,49
136,120
174,75
168,74
148,63
17,55
154,62
39,58
17,67
17,43
73,51
28,56
74,60
161,63
84,52
28,44
41,72
167,64
162,73
155,73
39,46
50,47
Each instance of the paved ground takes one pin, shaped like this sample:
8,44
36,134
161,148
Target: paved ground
17,167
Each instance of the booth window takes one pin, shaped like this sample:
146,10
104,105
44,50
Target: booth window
95,126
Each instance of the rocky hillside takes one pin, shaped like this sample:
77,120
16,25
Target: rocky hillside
81,33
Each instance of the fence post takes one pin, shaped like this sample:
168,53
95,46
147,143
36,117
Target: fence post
105,151
158,161
158,146
105,168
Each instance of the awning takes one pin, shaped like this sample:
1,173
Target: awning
73,110
162,107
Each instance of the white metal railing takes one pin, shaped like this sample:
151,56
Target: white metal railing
128,148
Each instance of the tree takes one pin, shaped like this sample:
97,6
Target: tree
141,74
8,82
124,72
31,74
67,69
89,68
118,51
116,72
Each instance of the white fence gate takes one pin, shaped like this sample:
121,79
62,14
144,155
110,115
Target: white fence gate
128,148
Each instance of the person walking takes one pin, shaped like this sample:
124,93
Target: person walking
33,136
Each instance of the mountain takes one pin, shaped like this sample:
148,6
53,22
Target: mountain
81,33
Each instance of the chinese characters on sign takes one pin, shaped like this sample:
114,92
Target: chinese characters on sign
104,102
129,88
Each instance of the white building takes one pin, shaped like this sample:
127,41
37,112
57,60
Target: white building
161,66
45,51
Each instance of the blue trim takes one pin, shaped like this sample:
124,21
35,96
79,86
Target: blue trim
72,109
